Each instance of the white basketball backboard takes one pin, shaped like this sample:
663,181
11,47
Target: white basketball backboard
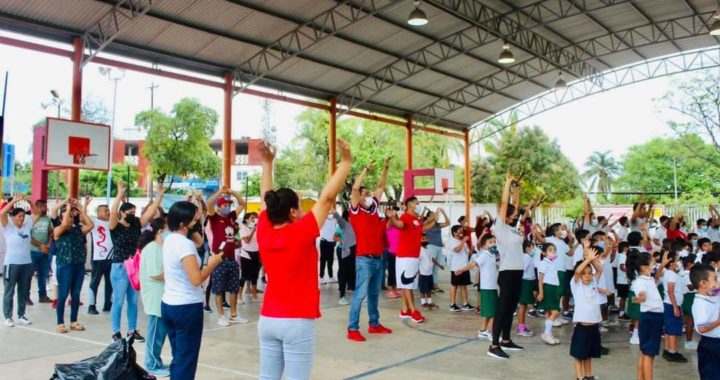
444,181
73,144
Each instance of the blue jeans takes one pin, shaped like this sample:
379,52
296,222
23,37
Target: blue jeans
41,264
368,282
121,290
184,324
436,253
286,345
156,333
70,279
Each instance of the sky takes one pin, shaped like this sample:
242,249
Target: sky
612,121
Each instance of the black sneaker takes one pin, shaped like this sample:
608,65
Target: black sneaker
455,308
497,352
226,305
135,334
510,346
604,350
107,309
92,310
533,314
468,307
117,336
589,378
674,357
568,316
207,308
680,358
624,317
45,300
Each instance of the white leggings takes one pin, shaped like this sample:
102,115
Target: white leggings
286,344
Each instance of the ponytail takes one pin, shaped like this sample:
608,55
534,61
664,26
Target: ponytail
635,260
150,232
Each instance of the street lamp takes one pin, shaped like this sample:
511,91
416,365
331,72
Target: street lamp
56,101
115,76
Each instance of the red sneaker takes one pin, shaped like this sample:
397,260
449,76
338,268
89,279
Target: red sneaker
54,304
417,317
405,314
379,329
355,335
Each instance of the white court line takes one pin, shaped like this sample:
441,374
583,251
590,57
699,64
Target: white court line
239,373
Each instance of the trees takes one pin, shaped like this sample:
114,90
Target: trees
530,155
602,169
94,182
177,144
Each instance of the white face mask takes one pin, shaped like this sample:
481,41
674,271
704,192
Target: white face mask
594,222
418,209
368,202
563,234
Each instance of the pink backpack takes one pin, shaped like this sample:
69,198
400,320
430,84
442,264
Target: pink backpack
132,267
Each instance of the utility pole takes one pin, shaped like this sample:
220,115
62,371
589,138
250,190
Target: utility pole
114,76
675,178
152,88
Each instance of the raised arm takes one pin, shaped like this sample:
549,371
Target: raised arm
590,255
241,202
340,220
380,188
355,196
212,201
505,200
8,207
65,224
87,223
267,155
328,195
446,220
150,212
115,208
587,208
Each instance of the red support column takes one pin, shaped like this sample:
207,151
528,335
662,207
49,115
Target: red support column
408,144
332,137
227,132
468,199
76,108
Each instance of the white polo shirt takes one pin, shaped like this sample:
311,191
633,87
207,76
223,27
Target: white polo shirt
587,301
562,249
457,260
528,268
669,277
622,274
549,271
653,302
488,271
705,311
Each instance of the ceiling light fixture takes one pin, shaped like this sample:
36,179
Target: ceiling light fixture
506,56
417,16
715,27
560,85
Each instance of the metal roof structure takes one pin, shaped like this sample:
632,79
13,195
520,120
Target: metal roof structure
365,55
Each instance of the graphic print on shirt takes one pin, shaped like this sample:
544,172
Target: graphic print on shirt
102,237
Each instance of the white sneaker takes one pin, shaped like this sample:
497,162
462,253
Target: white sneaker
24,321
343,301
238,319
485,335
557,323
603,329
635,340
222,321
332,280
549,339
9,322
564,321
690,345
323,281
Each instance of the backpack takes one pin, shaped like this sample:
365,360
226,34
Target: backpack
132,267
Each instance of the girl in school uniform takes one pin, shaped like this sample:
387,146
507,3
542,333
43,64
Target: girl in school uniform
485,261
549,292
672,302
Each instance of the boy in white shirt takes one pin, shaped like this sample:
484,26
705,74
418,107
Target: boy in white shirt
706,313
459,256
673,313
623,288
585,343
485,261
527,290
425,279
688,299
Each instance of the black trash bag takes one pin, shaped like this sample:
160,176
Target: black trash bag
116,362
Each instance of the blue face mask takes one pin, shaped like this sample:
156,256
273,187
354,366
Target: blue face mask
601,244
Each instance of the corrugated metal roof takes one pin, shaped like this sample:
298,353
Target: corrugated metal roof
213,36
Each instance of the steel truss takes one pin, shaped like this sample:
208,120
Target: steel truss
319,28
639,72
110,25
464,41
618,41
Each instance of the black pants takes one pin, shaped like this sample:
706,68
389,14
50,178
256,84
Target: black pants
509,285
346,271
391,280
326,257
100,270
250,268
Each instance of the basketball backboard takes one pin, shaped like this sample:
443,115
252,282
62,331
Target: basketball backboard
73,144
429,182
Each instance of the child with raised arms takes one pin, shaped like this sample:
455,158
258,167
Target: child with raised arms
585,344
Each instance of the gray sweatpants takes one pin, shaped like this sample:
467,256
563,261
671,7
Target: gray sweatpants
20,276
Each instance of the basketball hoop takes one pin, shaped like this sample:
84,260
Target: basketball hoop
79,159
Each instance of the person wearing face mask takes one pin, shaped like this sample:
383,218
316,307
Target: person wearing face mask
125,230
152,285
226,277
549,292
701,228
509,243
369,231
640,215
250,255
590,222
556,235
41,236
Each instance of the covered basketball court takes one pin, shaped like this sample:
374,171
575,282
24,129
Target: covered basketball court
471,61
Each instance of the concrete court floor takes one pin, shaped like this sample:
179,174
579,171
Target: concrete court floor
444,347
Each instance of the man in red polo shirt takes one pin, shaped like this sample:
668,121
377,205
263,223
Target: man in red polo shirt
224,227
369,230
411,226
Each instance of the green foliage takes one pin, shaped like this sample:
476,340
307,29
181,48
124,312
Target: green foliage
530,155
649,167
602,169
253,186
177,144
304,165
94,182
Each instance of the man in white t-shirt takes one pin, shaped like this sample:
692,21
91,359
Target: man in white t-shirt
16,228
101,247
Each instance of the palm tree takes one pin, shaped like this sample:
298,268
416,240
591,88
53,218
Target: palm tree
602,169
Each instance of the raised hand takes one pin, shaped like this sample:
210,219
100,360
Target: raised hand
120,186
344,148
267,151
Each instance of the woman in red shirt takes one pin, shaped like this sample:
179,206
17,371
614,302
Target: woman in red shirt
286,239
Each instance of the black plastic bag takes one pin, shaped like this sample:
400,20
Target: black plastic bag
116,362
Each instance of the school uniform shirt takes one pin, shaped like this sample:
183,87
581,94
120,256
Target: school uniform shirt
290,258
178,289
224,229
528,268
683,253
685,281
509,243
621,274
661,234
587,301
562,249
17,242
369,229
608,275
101,242
713,234
653,303
457,259
670,276
485,262
537,256
622,232
576,257
549,270
410,236
602,284
426,264
699,257
705,311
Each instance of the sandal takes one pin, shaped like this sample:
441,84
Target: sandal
76,326
61,329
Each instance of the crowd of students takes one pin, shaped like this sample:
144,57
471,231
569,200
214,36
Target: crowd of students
662,285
